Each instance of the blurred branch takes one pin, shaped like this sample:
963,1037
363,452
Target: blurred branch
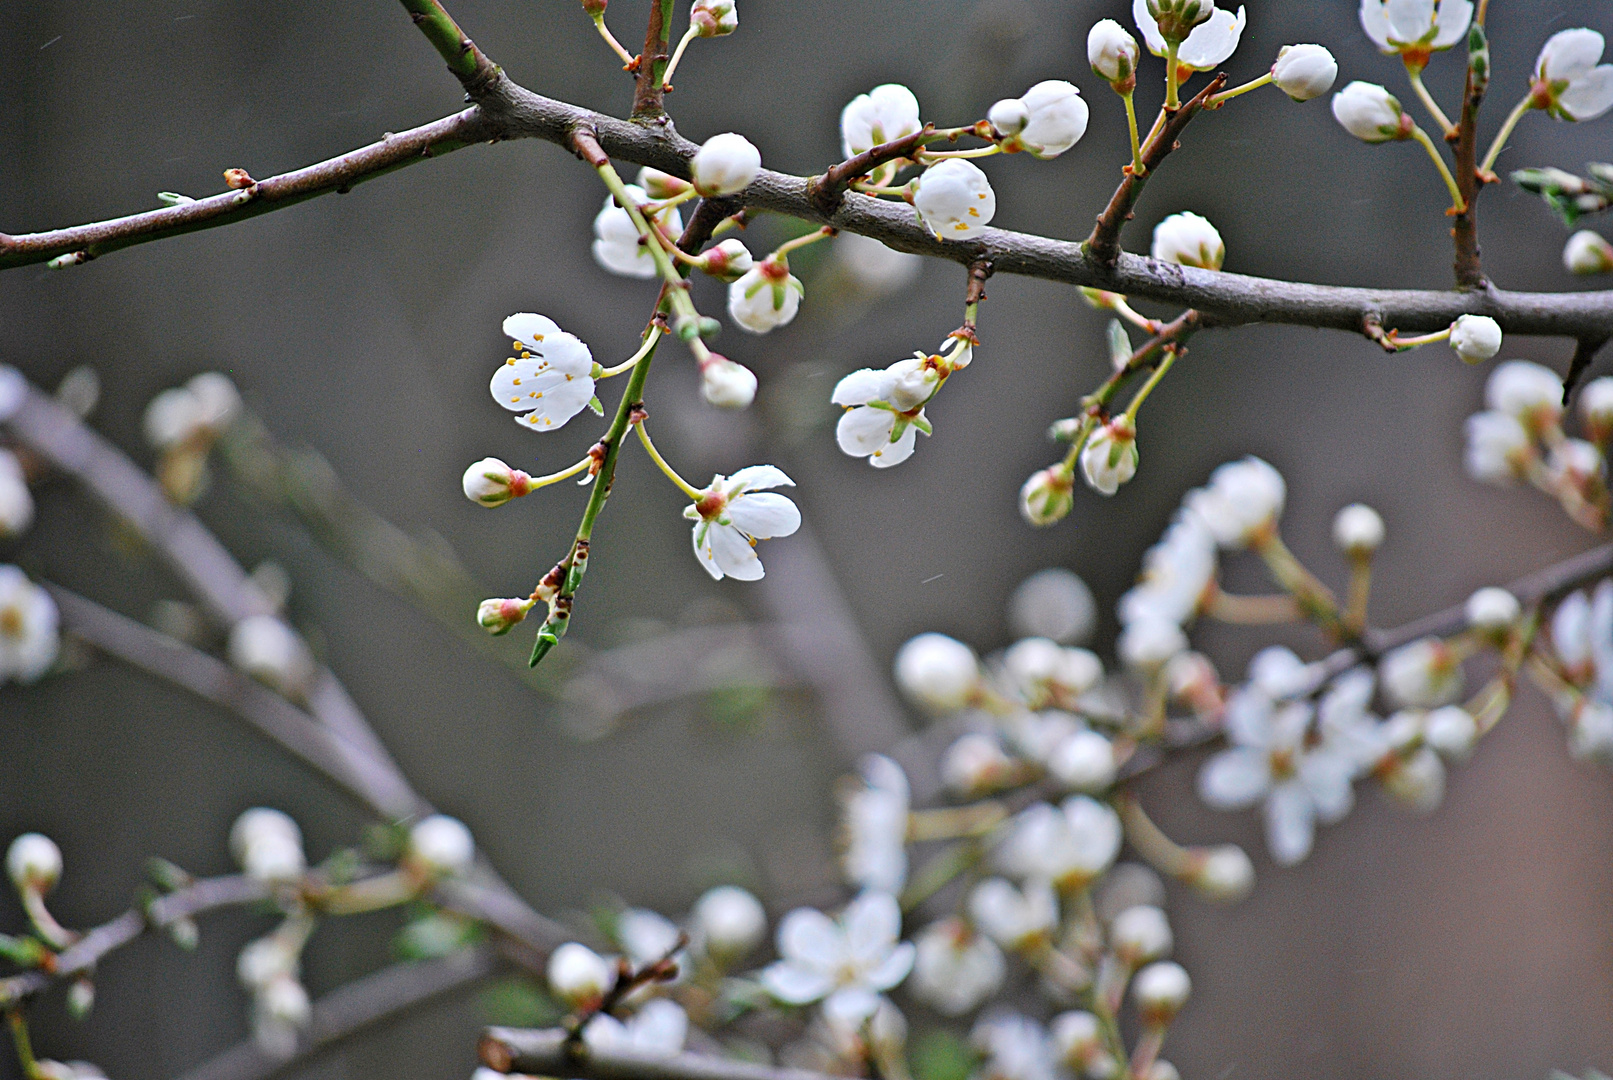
548,1053
209,894
354,1008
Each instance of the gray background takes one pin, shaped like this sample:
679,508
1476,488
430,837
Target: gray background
1475,943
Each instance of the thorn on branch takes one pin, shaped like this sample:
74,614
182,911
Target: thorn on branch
1585,351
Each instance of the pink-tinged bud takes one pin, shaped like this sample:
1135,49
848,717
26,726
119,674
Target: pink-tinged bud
238,179
714,18
595,9
659,185
490,482
725,384
728,260
500,616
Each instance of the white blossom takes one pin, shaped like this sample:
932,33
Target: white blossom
550,378
725,384
884,114
1492,609
1569,81
16,501
725,164
660,185
659,1027
442,845
1223,873
1424,674
938,672
954,968
731,920
1112,52
200,409
29,640
1161,990
1208,45
1241,503
280,1009
1587,253
729,260
1358,530
1149,643
765,297
714,18
1279,673
1475,338
1596,409
617,245
490,482
577,975
954,199
1189,240
1176,573
1015,1047
267,844
1371,113
647,937
973,764
1069,846
1590,731
1530,393
1056,604
1085,761
875,268
1050,118
1413,26
1078,1040
1047,496
1109,458
885,407
736,511
1022,920
1304,72
33,861
1452,731
266,959
845,963
266,648
1416,780
1498,448
1139,934
874,822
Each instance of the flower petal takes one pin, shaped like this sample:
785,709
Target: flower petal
1327,778
758,477
850,1006
894,453
733,553
1150,29
795,985
1590,96
1214,40
1409,20
862,431
1375,23
809,938
1249,717
873,922
1451,24
702,551
861,387
568,398
1290,823
764,515
1234,779
531,329
893,969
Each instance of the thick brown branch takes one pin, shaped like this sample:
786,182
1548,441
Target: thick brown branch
1104,243
353,1009
474,70
547,1053
1465,227
339,174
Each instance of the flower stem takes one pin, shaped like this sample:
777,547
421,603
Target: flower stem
564,474
1444,122
1137,166
1172,99
802,241
677,287
1505,133
976,152
650,338
1403,344
1457,202
671,474
879,189
677,54
610,39
1228,95
25,1045
1171,353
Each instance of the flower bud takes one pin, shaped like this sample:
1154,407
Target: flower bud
725,164
500,616
1009,116
1161,990
764,297
1113,53
938,672
1189,240
1498,448
1476,338
726,384
731,921
490,482
577,975
1452,731
267,844
1110,456
1304,72
954,199
594,9
1587,253
727,260
1530,393
1047,496
1358,530
1425,674
1055,604
1370,113
1149,644
974,764
659,185
33,861
284,1001
1222,873
1417,782
1140,934
270,651
80,998
1084,761
1047,121
441,846
1078,1038
714,18
1492,610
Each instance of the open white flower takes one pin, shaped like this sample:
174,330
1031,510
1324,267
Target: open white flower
1270,759
617,246
1208,44
954,199
954,968
874,826
765,297
736,511
1415,27
884,114
1070,846
1569,81
845,963
1015,1047
1241,503
29,640
551,377
660,1027
885,408
1021,920
1048,120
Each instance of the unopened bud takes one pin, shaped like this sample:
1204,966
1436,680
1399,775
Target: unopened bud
1161,990
1358,530
1492,610
1078,1038
728,260
659,185
1009,116
731,921
490,482
1222,873
725,164
34,862
594,9
270,651
1140,934
714,18
726,384
938,672
238,178
500,616
1047,497
441,846
1084,761
577,975
1587,253
1110,456
1452,731
80,998
1304,72
974,764
1596,408
1476,338
1113,53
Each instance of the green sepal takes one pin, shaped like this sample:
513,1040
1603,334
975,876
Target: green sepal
595,406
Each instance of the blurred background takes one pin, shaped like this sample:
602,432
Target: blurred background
1477,942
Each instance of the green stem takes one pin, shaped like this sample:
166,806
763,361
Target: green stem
1457,201
1153,381
977,152
1172,99
677,287
25,1046
1444,122
1137,166
650,338
671,474
677,54
610,39
465,60
803,241
1228,95
1505,133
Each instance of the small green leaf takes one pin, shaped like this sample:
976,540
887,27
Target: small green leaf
594,404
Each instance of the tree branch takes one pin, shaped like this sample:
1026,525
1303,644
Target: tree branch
648,94
354,1008
474,70
1465,228
546,1053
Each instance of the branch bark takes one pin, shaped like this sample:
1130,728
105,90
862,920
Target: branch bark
546,1053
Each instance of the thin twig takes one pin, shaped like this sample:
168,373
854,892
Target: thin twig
649,92
1585,350
473,69
825,191
1465,227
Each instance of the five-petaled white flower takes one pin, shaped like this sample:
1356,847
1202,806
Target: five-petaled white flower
1241,504
735,512
28,620
954,199
845,963
886,113
885,409
1208,44
551,377
1070,845
1415,28
617,245
1569,82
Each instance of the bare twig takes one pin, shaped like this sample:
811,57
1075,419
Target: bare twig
473,69
548,1053
1585,351
1465,227
649,92
353,1009
825,191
